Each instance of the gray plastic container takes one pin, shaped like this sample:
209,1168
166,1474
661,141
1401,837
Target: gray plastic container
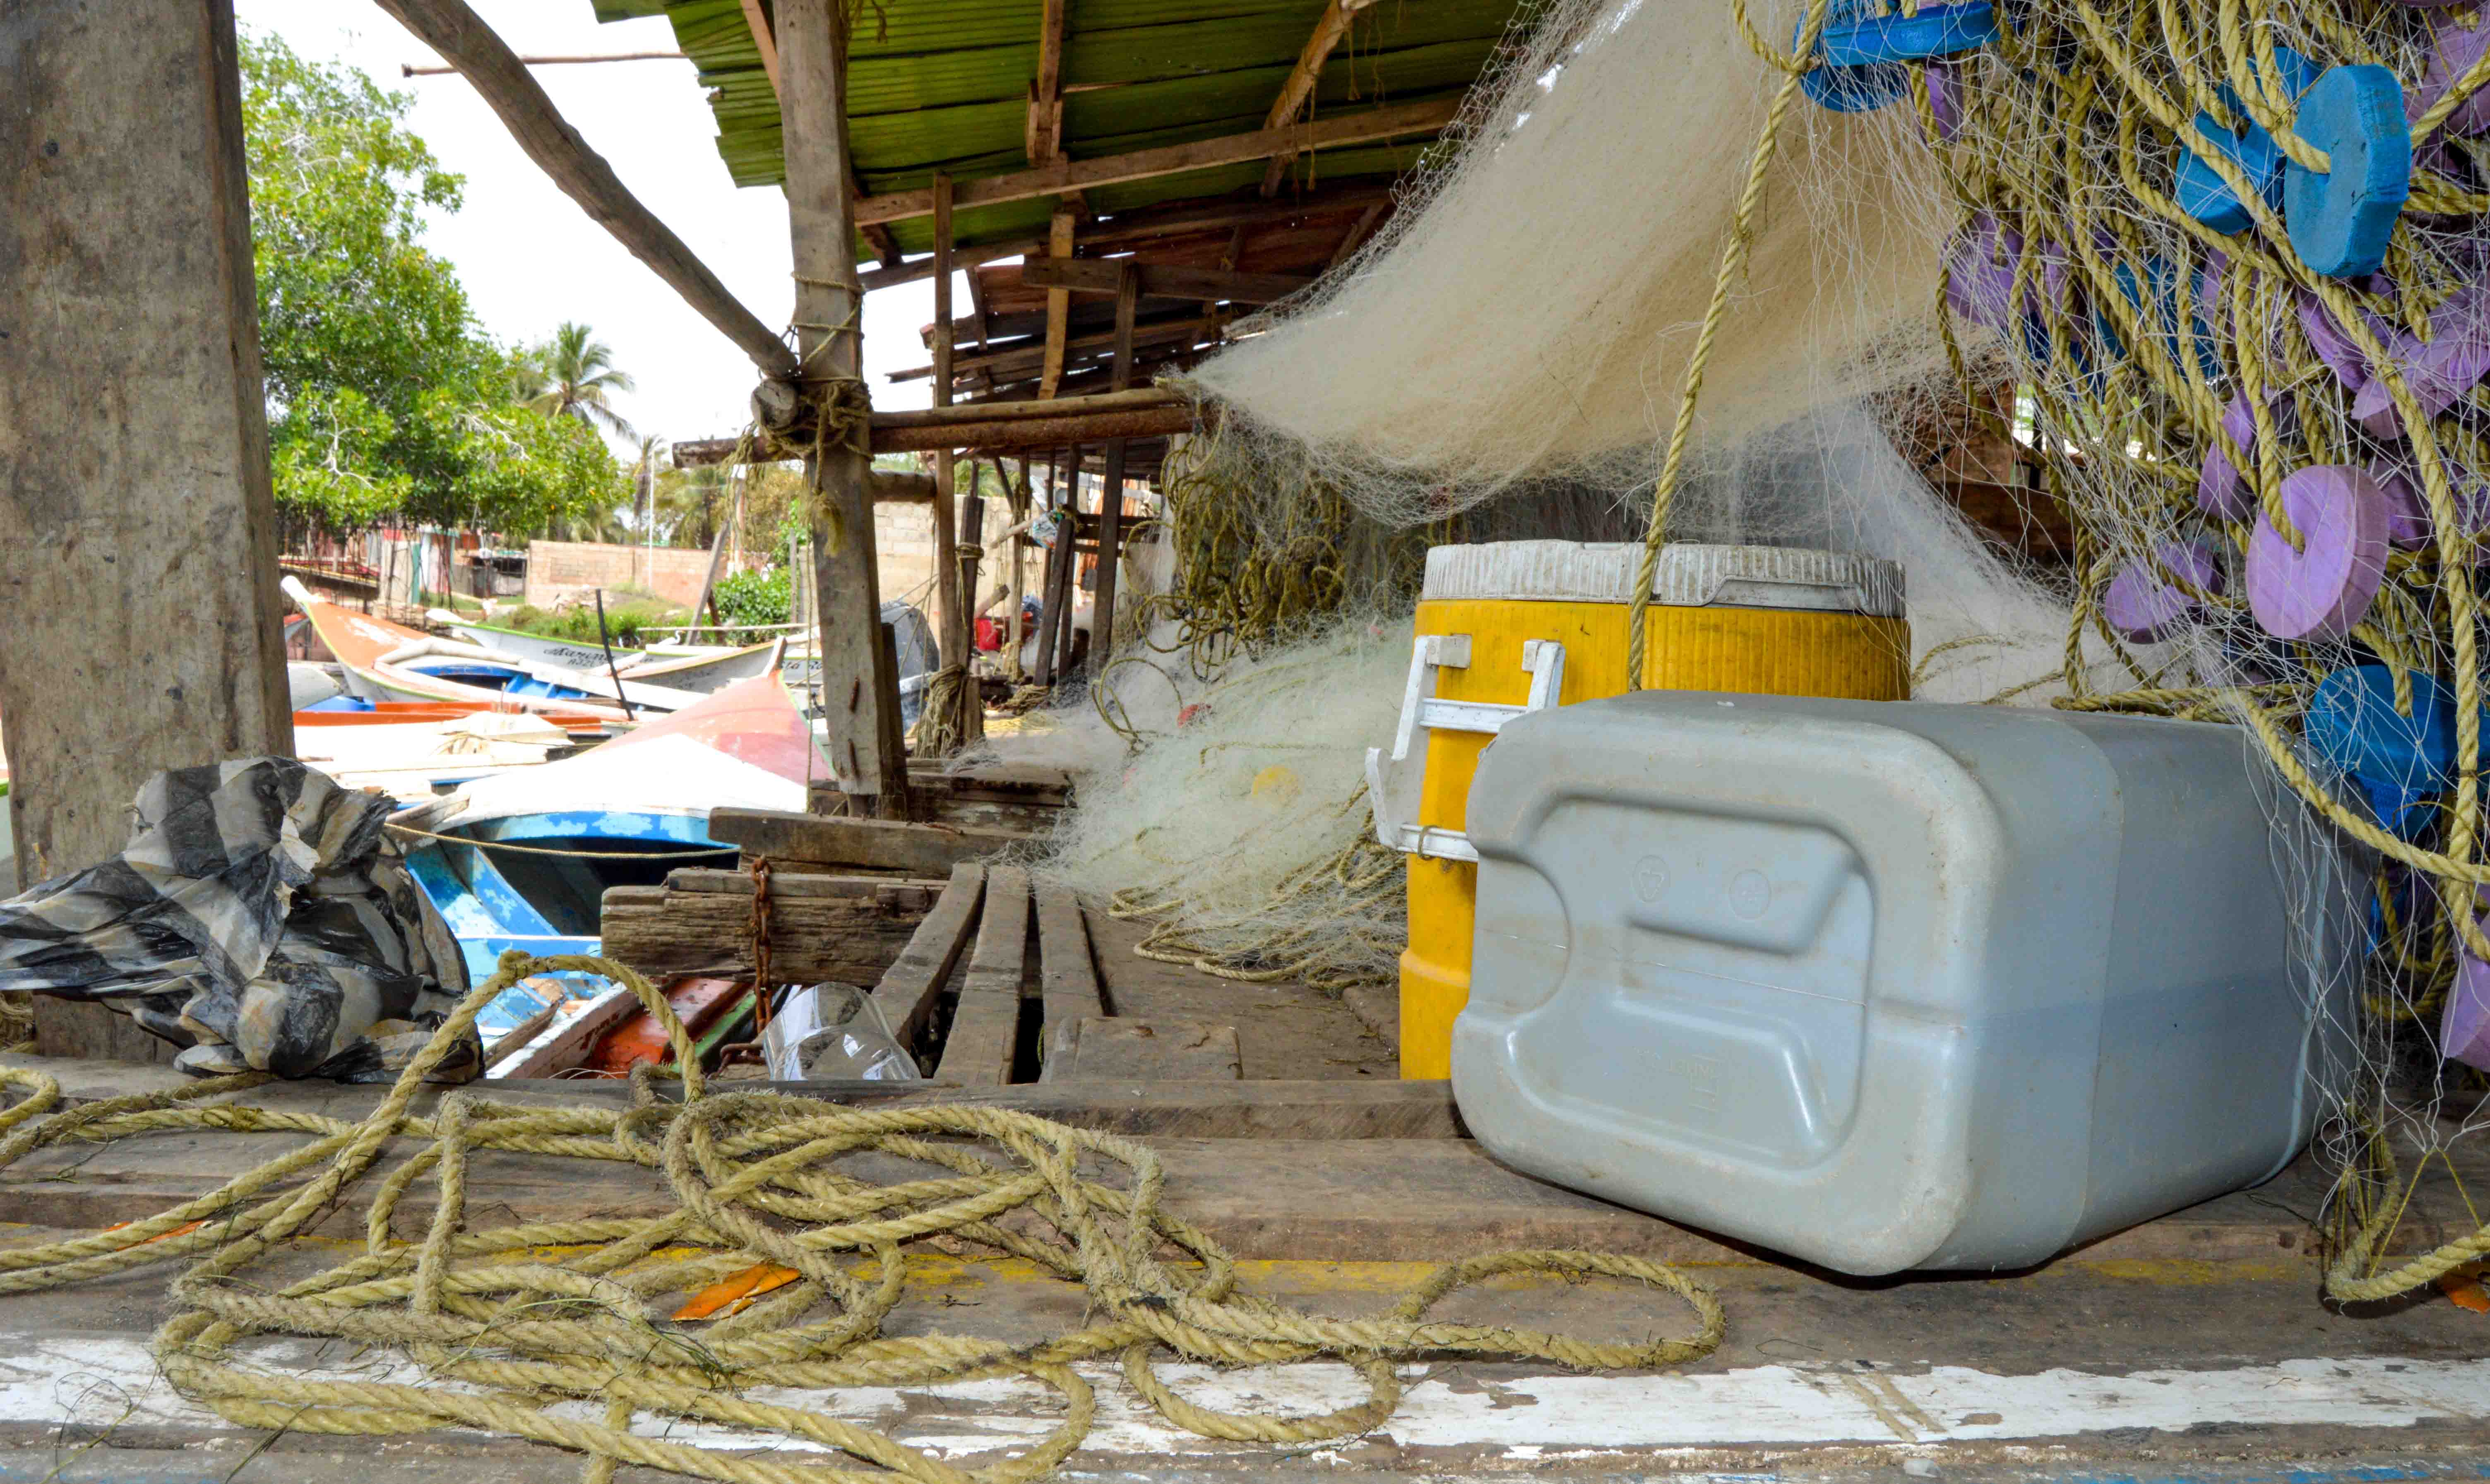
1891,985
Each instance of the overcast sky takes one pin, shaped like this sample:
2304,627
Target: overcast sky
530,259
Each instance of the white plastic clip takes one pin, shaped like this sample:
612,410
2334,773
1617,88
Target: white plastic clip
1542,660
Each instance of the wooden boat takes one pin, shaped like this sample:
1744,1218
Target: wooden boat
385,661
523,858
542,648
703,668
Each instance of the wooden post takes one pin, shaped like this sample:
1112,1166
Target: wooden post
1059,301
138,530
1070,577
952,598
1057,552
859,683
1020,512
1111,495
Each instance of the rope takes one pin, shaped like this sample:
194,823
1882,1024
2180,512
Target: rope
505,1320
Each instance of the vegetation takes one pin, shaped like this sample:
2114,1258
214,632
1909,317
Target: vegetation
628,614
574,375
385,399
756,597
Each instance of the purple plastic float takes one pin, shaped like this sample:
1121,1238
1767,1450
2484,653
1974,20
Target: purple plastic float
2222,490
1945,100
2146,609
2324,590
2464,1028
2407,513
2453,50
2453,362
1980,271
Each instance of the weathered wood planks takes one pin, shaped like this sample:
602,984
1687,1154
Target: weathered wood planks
925,850
1067,979
985,1028
914,981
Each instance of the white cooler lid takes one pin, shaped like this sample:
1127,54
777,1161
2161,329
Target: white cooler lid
1690,575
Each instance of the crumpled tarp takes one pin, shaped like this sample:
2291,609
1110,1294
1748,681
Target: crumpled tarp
260,919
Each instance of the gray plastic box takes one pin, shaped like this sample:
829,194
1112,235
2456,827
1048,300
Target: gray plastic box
1891,985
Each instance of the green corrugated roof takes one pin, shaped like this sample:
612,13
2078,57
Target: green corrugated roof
943,85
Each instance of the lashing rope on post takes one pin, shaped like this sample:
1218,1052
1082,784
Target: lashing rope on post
509,1323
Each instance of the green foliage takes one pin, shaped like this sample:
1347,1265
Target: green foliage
572,376
628,618
383,398
756,597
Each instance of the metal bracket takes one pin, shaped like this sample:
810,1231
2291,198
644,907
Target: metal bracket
1542,660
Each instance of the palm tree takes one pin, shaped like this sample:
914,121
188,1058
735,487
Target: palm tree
578,376
644,483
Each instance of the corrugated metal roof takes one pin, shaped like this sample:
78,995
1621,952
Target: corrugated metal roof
943,85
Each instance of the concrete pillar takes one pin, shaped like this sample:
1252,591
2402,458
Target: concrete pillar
138,593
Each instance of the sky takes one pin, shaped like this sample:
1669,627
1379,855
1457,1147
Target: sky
530,260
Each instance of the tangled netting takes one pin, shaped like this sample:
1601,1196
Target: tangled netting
550,1332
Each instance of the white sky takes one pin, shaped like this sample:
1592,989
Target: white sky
530,259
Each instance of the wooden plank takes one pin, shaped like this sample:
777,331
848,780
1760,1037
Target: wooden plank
466,43
1151,1050
1160,281
859,675
908,989
1134,399
764,40
884,889
1067,980
1365,127
565,1045
1297,89
1036,433
1045,141
984,1028
1356,234
888,844
666,933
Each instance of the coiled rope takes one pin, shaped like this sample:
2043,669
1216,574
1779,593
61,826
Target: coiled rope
506,1334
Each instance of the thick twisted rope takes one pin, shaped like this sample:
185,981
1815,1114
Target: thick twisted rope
755,1179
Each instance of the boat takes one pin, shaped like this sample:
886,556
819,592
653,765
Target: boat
703,668
913,646
522,859
415,757
385,661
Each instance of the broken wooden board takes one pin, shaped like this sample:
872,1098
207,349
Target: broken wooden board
566,1043
1067,979
985,1028
898,894
908,989
664,932
890,845
1028,800
1095,1047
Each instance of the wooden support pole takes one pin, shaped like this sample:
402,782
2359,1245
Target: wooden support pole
466,43
1020,512
1060,614
1297,90
860,679
1045,143
1057,552
1111,495
137,531
950,611
1059,301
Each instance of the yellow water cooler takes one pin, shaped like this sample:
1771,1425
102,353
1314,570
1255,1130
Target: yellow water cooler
1508,628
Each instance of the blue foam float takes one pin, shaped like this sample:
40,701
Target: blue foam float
1865,55
2339,218
2158,302
2400,762
2201,190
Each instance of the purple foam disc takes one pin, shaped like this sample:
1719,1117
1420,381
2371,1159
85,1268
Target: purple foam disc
2324,590
2453,362
1945,100
2464,1027
2407,513
1980,271
2333,346
2453,50
2144,608
2222,490
2209,287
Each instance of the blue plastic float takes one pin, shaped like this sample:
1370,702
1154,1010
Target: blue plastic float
2400,762
1866,55
2339,218
2201,190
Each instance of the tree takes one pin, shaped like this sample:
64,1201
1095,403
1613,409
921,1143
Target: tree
577,376
385,399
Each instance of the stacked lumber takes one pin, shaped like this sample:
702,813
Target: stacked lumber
846,928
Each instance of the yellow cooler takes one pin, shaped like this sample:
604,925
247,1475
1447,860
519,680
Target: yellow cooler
1510,627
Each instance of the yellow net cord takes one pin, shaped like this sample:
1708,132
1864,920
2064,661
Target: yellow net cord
509,1322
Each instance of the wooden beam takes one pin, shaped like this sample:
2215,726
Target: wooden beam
1040,432
1357,234
409,70
1027,359
1139,398
859,674
1365,127
766,42
1160,280
884,845
1045,142
1067,979
1297,90
1059,303
465,42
